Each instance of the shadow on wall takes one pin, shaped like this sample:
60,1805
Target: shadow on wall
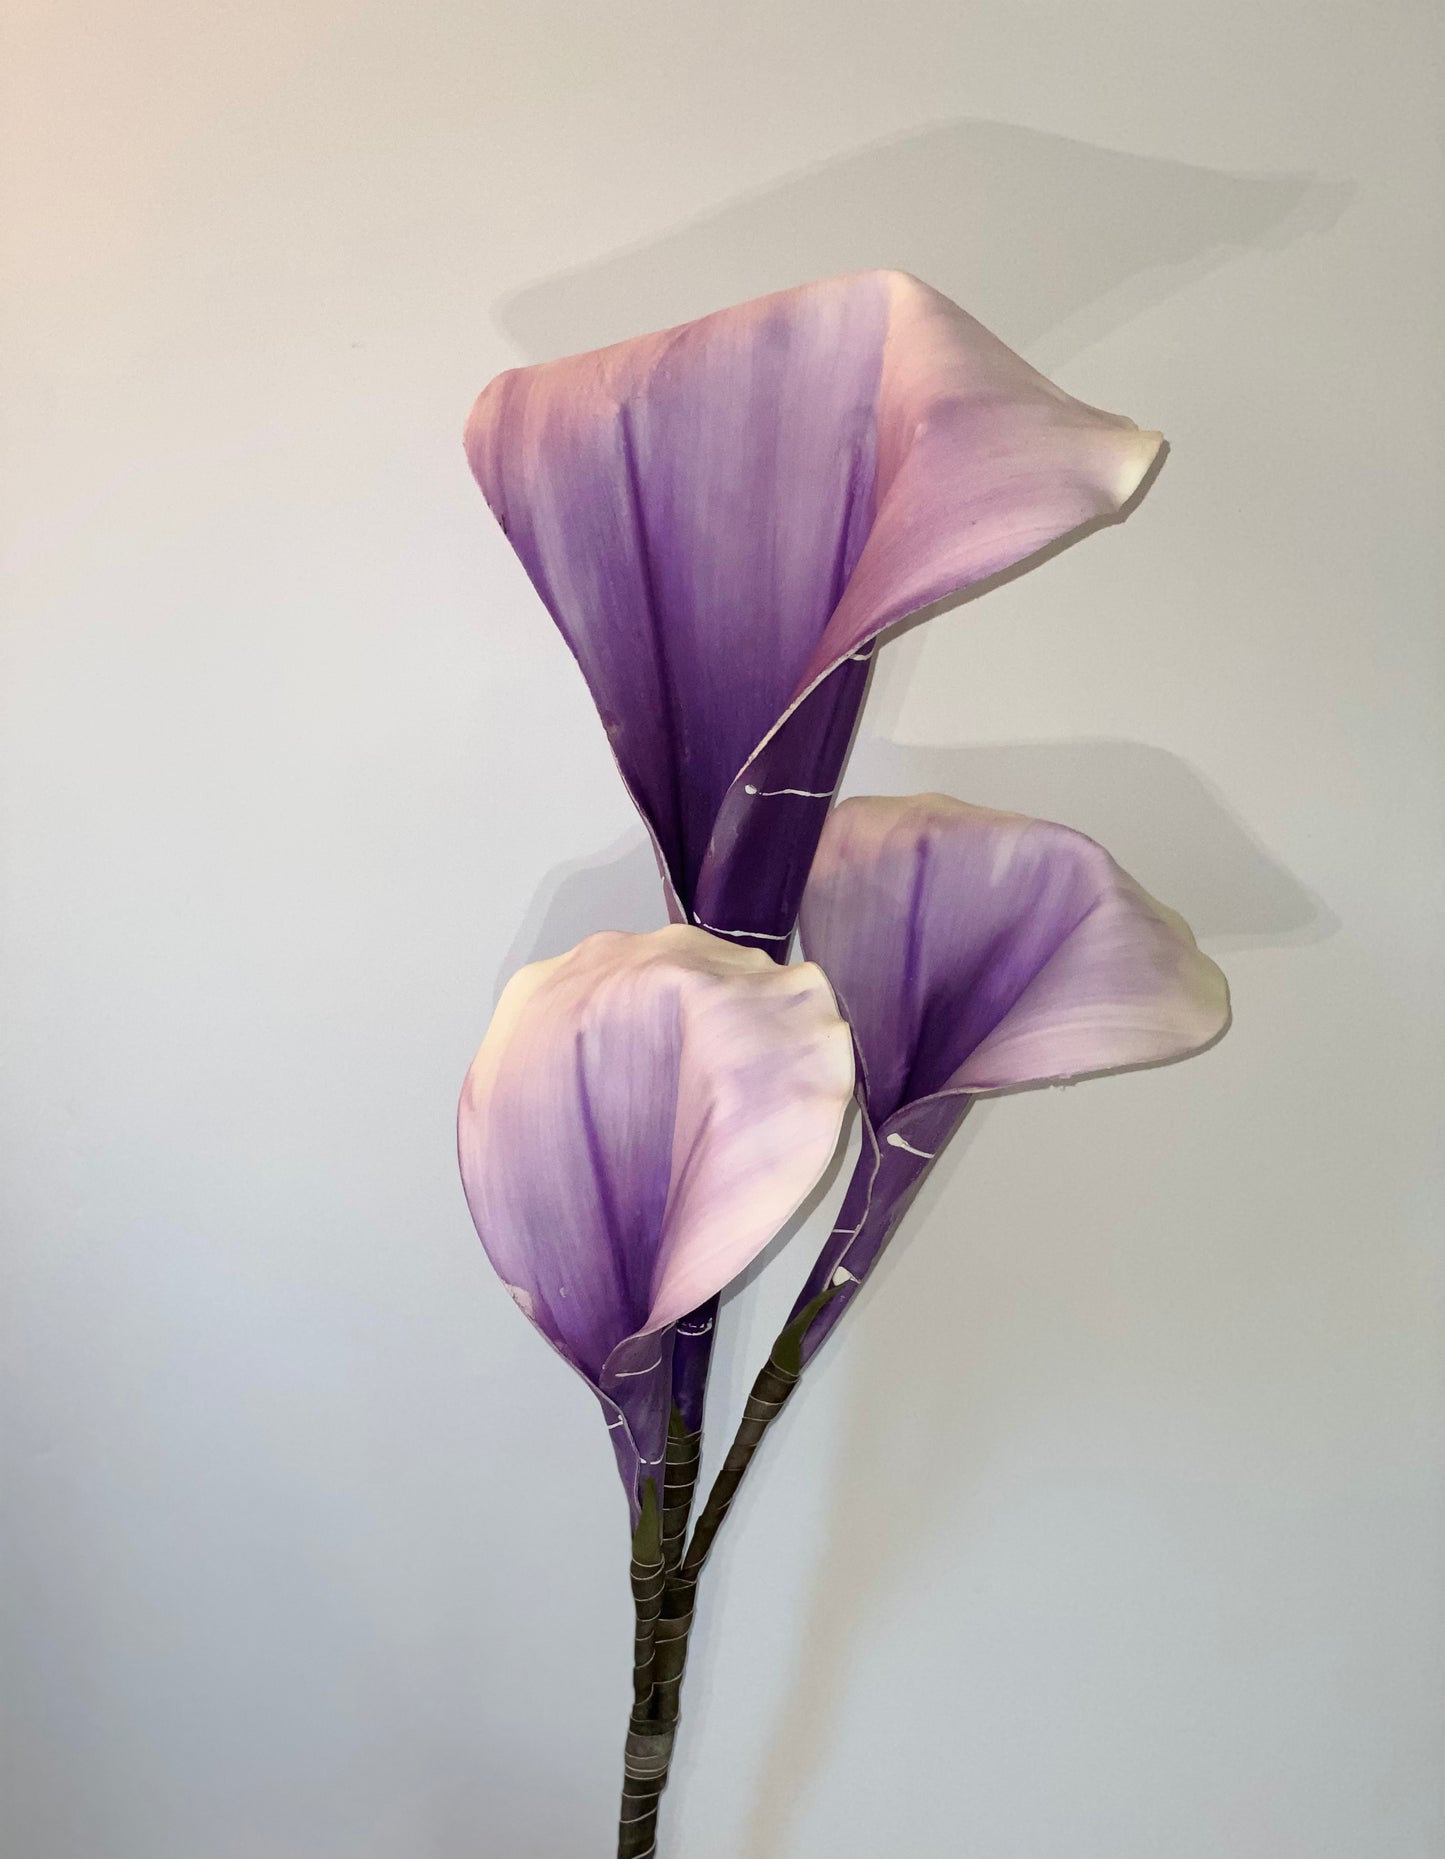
617,888
1158,816
1053,243
1172,831
1050,242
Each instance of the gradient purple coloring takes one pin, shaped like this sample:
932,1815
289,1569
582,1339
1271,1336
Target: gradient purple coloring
976,952
643,1115
721,518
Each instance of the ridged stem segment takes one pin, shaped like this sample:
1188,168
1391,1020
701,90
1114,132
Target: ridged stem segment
650,1749
645,1763
648,1575
684,1453
644,1767
657,1547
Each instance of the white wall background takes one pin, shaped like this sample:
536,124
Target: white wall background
1113,1527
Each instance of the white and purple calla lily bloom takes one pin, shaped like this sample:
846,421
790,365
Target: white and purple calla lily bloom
642,1117
722,518
975,952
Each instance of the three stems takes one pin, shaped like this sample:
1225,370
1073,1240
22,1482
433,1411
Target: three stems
665,1578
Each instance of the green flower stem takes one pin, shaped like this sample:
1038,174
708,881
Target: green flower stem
684,1452
645,1763
649,1749
648,1575
642,1764
656,1553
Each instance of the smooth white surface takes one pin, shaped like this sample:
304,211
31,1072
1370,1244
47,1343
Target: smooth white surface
1111,1527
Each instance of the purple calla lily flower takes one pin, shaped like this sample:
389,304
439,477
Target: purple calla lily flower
975,952
643,1115
722,518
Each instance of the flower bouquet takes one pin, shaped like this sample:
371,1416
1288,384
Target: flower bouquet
723,519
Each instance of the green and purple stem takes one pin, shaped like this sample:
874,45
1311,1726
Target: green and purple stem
650,1739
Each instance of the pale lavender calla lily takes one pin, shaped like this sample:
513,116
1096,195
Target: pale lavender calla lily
642,1117
721,518
975,952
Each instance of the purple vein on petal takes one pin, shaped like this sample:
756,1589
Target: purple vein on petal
854,503
612,1221
642,1117
913,976
667,688
976,952
724,515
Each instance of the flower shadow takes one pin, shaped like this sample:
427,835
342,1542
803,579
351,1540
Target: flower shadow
1051,241
939,1427
616,888
1160,817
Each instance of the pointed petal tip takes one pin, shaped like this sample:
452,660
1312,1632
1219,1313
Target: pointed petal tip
1140,459
1200,1017
1044,961
1164,1001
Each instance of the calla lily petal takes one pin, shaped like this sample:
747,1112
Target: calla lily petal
721,518
642,1117
981,951
973,952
